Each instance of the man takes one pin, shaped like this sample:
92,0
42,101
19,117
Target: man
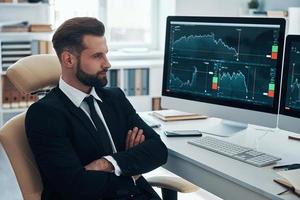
87,140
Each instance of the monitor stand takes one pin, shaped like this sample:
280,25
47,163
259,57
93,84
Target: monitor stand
225,128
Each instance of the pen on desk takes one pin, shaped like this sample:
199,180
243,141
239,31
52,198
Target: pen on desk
294,138
288,167
155,126
281,166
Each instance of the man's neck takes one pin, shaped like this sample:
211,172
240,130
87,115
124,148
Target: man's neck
78,85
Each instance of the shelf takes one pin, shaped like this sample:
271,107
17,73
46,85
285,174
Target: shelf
149,55
24,4
130,64
26,33
25,36
15,45
139,97
13,110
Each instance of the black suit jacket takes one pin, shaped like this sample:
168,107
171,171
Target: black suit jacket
63,140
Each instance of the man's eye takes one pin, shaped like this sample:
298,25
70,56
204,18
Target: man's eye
98,56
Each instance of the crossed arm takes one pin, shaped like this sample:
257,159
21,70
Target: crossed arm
134,138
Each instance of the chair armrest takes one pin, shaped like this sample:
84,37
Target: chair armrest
172,183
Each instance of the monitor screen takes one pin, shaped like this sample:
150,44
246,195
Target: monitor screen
232,62
290,96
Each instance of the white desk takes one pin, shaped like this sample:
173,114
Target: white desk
225,177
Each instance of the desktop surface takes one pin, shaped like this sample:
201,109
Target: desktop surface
226,177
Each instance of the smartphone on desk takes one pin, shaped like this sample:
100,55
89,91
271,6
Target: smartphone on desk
183,133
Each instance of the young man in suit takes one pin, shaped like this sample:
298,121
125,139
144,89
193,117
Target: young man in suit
87,140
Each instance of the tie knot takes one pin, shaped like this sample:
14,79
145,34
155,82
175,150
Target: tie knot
89,100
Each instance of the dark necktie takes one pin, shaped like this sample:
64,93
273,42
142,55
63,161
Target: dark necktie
99,125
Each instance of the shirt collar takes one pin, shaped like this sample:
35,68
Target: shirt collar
75,95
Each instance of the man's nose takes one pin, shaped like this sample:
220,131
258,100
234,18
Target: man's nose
107,64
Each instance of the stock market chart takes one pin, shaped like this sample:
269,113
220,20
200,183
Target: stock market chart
229,61
293,86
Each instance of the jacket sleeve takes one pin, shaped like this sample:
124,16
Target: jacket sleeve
146,156
60,168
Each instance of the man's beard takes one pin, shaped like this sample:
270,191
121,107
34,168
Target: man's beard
90,80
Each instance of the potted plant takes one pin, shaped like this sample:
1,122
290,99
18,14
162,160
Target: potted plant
253,6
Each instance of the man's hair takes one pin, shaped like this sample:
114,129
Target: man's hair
70,34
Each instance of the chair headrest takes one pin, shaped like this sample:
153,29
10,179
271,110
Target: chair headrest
33,73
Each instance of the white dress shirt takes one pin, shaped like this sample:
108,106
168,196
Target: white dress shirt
77,97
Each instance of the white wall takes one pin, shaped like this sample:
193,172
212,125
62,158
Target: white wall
167,7
280,4
228,7
211,7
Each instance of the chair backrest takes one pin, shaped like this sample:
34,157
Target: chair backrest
29,74
35,72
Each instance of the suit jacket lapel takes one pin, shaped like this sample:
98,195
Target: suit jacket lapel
107,109
80,114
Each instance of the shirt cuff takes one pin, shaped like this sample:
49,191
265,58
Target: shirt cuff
117,170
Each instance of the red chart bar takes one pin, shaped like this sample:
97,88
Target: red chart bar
271,93
274,55
214,86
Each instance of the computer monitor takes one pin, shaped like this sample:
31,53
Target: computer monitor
224,67
289,116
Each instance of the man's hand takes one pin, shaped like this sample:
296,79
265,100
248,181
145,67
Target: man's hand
100,165
134,137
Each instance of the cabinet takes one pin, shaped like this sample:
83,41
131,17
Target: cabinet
141,80
16,44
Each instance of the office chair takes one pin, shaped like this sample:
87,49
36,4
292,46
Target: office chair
31,74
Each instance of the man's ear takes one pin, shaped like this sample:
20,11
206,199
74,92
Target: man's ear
68,59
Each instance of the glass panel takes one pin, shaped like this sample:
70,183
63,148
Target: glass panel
66,9
129,21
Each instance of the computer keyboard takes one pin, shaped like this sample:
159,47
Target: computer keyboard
237,152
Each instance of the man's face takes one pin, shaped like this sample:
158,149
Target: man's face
92,63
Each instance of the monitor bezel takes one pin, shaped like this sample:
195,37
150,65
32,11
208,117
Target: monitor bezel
291,113
236,20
